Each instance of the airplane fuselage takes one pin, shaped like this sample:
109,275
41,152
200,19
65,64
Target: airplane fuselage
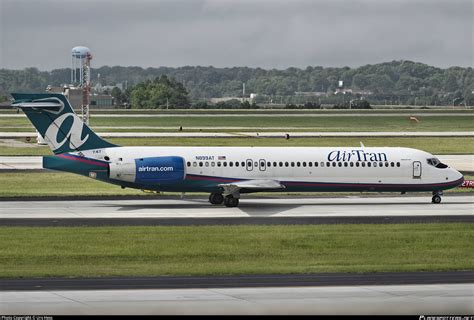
296,168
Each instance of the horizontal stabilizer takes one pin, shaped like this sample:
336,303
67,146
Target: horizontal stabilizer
39,105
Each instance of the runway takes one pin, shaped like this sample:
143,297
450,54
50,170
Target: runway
239,281
349,209
394,299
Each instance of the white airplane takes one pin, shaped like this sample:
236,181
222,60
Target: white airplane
227,172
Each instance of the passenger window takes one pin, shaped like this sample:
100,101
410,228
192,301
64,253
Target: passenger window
363,164
386,164
286,164
207,164
231,164
322,164
274,164
280,164
213,164
243,163
298,164
188,164
224,163
375,165
310,164
339,164
357,164
351,164
345,164
369,164
333,164
236,163
218,164
200,164
398,164
269,164
249,164
292,164
328,164
316,164
392,164
194,164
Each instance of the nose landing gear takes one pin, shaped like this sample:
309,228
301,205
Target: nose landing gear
436,196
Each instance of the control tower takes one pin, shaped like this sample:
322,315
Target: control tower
81,76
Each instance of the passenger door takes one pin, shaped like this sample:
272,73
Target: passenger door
416,170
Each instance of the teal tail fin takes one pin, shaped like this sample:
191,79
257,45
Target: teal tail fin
56,121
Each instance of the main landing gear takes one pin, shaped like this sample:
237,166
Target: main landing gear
437,196
216,198
229,200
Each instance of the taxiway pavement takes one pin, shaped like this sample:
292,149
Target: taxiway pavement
392,299
197,211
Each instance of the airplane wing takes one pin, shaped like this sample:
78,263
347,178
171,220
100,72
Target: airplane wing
248,186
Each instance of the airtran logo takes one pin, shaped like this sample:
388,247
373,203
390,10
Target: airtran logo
74,134
155,169
356,155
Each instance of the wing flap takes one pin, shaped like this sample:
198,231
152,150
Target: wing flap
247,186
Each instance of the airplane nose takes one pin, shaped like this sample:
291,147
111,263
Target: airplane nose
458,175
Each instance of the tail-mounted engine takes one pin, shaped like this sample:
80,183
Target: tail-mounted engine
153,170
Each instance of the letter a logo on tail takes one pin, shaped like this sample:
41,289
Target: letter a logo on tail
74,134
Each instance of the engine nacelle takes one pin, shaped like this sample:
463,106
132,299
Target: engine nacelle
153,170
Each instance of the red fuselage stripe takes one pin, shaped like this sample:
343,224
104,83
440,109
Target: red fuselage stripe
84,160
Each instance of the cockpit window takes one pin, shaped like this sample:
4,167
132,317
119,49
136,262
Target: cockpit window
436,163
433,162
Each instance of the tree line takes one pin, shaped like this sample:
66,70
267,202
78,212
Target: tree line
396,82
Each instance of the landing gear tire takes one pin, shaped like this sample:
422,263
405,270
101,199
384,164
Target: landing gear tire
216,198
231,202
436,199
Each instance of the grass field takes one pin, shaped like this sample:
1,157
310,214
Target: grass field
448,145
230,250
59,184
324,124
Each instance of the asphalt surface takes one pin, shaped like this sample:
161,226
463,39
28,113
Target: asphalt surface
102,222
304,280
